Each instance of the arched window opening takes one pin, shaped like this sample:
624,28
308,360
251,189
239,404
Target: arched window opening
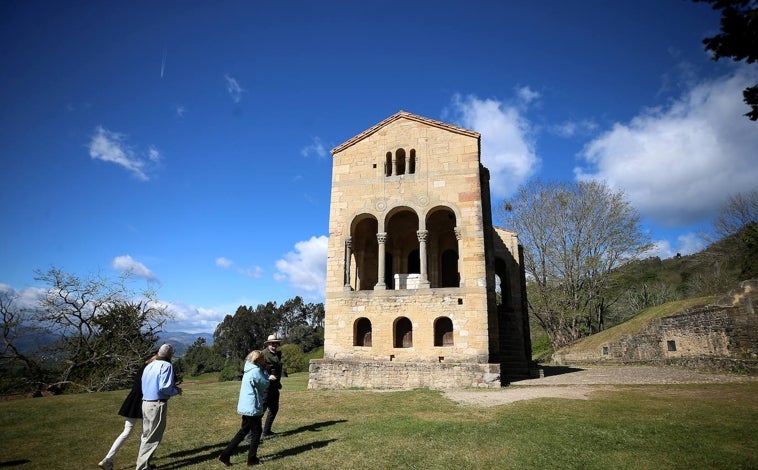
505,303
442,254
450,276
362,335
388,164
400,162
402,240
414,262
365,249
403,333
412,163
388,270
443,332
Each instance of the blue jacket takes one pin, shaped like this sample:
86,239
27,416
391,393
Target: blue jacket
254,384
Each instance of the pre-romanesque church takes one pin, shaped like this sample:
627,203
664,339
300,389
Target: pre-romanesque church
421,290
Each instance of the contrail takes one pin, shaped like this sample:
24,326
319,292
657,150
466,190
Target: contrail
163,62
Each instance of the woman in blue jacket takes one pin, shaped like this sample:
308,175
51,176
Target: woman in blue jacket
250,405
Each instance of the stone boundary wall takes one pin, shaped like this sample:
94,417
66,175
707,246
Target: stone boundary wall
340,374
723,336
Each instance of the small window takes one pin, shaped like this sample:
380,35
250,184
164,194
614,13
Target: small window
605,350
400,161
671,345
403,333
362,333
443,332
412,163
388,164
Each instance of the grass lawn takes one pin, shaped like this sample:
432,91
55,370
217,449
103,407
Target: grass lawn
635,427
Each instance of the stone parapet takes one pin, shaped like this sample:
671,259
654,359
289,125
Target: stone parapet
341,374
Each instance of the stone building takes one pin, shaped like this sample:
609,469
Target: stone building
421,289
719,336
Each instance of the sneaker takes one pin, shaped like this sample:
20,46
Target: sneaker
253,461
269,435
106,464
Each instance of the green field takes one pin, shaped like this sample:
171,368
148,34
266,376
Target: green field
635,427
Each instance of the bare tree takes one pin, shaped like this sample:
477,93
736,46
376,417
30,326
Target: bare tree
574,235
22,370
740,211
90,317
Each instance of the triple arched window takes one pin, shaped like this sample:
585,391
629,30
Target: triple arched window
402,332
400,163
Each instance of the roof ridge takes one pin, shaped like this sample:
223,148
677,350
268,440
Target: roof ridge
395,117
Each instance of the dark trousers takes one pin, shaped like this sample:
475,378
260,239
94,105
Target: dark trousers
251,425
272,405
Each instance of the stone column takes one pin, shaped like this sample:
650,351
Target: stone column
381,237
348,257
422,235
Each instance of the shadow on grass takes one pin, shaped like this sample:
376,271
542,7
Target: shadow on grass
210,453
14,463
315,427
297,450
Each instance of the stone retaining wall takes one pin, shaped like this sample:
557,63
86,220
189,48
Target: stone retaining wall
336,374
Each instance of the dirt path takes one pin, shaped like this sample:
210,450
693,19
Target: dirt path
580,383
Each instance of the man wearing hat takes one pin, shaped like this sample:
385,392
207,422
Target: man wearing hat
274,364
158,385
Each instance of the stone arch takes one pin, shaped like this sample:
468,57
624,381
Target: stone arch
362,332
403,333
443,331
364,263
402,224
443,251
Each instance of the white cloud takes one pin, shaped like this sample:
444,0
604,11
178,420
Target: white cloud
154,154
111,147
181,111
572,128
306,267
192,319
526,94
223,262
317,147
254,273
686,244
126,263
678,164
234,88
508,148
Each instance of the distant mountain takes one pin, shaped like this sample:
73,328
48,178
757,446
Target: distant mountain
182,341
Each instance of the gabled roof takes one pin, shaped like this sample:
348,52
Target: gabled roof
400,115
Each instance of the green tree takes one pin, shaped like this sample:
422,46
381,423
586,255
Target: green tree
246,330
293,359
738,40
574,235
201,358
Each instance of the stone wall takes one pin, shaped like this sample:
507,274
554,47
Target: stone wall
718,336
340,374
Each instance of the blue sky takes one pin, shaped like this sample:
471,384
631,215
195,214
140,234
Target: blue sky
188,142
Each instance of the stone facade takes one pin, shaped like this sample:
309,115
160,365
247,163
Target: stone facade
719,336
421,289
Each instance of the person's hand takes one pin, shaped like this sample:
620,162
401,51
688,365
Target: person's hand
271,377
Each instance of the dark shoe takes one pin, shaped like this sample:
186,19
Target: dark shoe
253,461
224,459
269,435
